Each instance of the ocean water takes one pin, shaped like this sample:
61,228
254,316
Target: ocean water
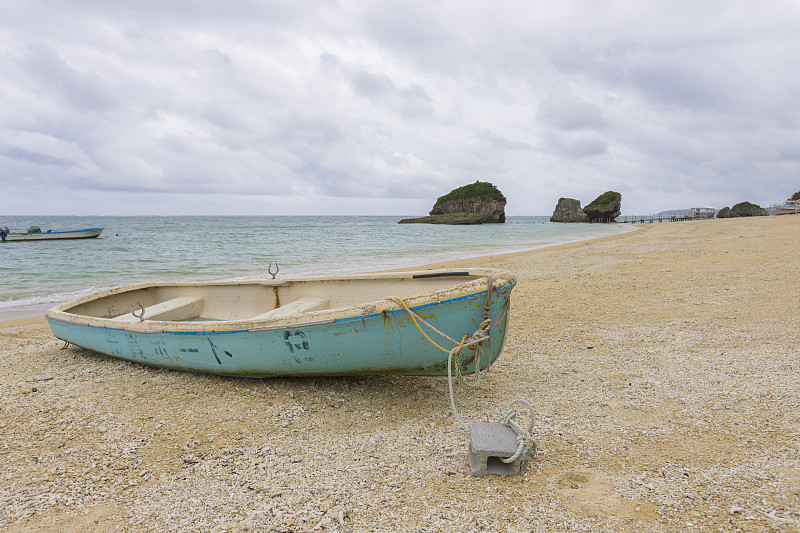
156,248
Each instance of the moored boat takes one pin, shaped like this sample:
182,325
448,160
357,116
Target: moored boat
384,323
89,233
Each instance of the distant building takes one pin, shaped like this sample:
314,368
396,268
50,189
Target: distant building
702,212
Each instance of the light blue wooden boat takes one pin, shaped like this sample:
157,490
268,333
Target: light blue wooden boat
355,324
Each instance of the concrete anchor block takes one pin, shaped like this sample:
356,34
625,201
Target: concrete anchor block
489,442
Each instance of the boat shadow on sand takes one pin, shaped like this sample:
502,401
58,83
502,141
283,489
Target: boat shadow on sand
365,401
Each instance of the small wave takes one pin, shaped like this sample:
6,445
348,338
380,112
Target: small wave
52,299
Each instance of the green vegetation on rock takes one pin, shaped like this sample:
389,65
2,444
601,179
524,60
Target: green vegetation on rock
604,208
726,212
604,202
480,189
748,209
795,196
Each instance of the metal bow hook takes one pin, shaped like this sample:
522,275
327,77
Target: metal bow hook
139,316
269,269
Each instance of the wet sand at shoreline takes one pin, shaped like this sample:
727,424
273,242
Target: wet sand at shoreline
662,365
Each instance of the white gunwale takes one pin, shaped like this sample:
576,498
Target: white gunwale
443,288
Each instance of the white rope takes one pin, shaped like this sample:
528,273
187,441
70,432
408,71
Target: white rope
523,436
475,344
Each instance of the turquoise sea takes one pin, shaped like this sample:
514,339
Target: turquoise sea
37,275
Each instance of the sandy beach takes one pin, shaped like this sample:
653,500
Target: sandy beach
662,365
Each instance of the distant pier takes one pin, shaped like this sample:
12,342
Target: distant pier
702,212
650,219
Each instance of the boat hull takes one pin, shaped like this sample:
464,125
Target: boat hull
383,342
90,233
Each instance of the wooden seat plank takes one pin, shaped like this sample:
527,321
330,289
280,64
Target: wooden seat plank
180,308
304,305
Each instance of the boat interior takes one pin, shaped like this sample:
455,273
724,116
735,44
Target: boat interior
265,299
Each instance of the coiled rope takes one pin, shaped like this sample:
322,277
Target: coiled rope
523,435
475,343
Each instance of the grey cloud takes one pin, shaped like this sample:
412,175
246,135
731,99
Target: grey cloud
87,91
500,142
573,128
577,144
411,101
572,114
404,26
414,102
33,157
304,129
371,85
401,99
683,84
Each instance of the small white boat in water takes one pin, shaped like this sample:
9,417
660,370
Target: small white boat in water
385,323
90,233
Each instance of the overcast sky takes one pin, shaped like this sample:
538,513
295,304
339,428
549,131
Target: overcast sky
379,107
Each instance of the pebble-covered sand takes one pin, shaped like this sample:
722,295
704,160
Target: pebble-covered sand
663,365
